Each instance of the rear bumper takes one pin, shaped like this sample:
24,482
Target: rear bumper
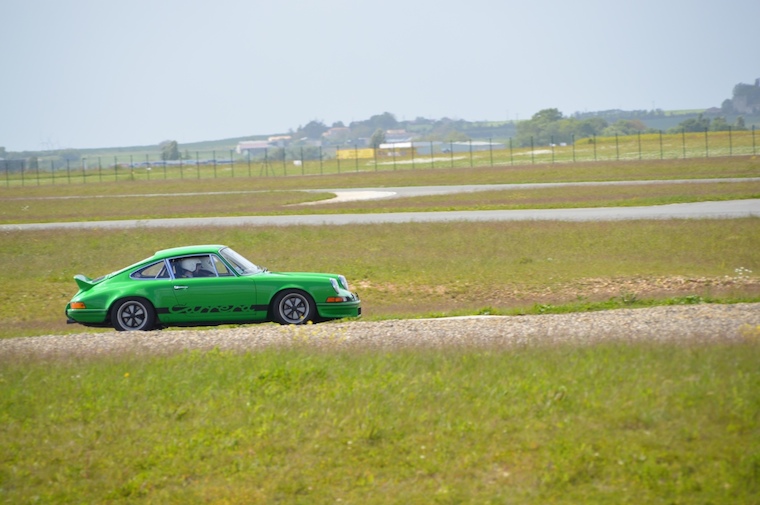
86,316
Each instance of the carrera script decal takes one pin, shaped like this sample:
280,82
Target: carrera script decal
213,309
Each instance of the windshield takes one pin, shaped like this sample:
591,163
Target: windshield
241,265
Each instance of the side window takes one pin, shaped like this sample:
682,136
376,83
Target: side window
193,266
154,271
221,268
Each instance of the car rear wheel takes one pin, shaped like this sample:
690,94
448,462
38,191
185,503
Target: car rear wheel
133,314
293,307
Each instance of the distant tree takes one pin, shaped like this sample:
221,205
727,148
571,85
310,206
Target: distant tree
624,127
750,91
698,124
169,150
377,138
543,128
740,125
719,124
312,130
590,127
338,124
547,116
69,155
727,107
2,152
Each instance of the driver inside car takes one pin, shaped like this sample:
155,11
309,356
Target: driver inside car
193,267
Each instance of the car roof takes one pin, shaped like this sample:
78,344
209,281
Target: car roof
190,249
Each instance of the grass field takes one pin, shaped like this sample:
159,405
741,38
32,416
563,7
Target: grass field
604,424
609,424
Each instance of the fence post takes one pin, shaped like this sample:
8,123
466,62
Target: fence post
100,170
490,149
356,157
248,156
432,158
470,153
753,139
511,154
639,133
337,157
232,163
572,139
320,161
683,141
730,142
551,144
661,145
617,148
594,140
532,161
707,149
451,152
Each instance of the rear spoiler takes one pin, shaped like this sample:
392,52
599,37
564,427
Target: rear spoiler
83,282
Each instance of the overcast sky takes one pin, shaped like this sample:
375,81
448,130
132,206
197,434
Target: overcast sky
107,73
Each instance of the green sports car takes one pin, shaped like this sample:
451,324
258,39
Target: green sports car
207,285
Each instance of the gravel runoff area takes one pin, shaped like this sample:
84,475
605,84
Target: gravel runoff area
705,323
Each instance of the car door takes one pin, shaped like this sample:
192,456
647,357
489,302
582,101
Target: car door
222,297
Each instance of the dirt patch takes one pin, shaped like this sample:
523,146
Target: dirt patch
394,298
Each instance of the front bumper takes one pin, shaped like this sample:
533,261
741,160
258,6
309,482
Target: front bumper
339,310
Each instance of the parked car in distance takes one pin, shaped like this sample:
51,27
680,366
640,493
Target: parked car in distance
207,285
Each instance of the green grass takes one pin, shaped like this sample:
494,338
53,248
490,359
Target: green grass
603,424
414,269
607,424
219,197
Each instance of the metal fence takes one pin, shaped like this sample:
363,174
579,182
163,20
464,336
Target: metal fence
291,161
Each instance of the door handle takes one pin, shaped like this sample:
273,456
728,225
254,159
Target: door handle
180,287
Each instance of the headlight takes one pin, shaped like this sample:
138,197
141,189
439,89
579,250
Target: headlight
334,285
343,282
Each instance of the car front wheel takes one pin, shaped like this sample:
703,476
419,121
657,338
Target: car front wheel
293,307
133,314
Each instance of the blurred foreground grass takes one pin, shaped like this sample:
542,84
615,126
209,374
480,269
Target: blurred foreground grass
603,424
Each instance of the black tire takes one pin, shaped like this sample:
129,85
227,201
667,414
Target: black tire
293,307
133,314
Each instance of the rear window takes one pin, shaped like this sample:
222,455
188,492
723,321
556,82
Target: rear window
154,271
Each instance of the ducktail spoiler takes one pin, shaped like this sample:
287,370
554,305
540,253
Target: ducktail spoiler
83,282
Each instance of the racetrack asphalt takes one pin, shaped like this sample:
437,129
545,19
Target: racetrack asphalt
699,210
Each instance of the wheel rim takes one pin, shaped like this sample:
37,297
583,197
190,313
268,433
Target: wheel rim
132,315
294,308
